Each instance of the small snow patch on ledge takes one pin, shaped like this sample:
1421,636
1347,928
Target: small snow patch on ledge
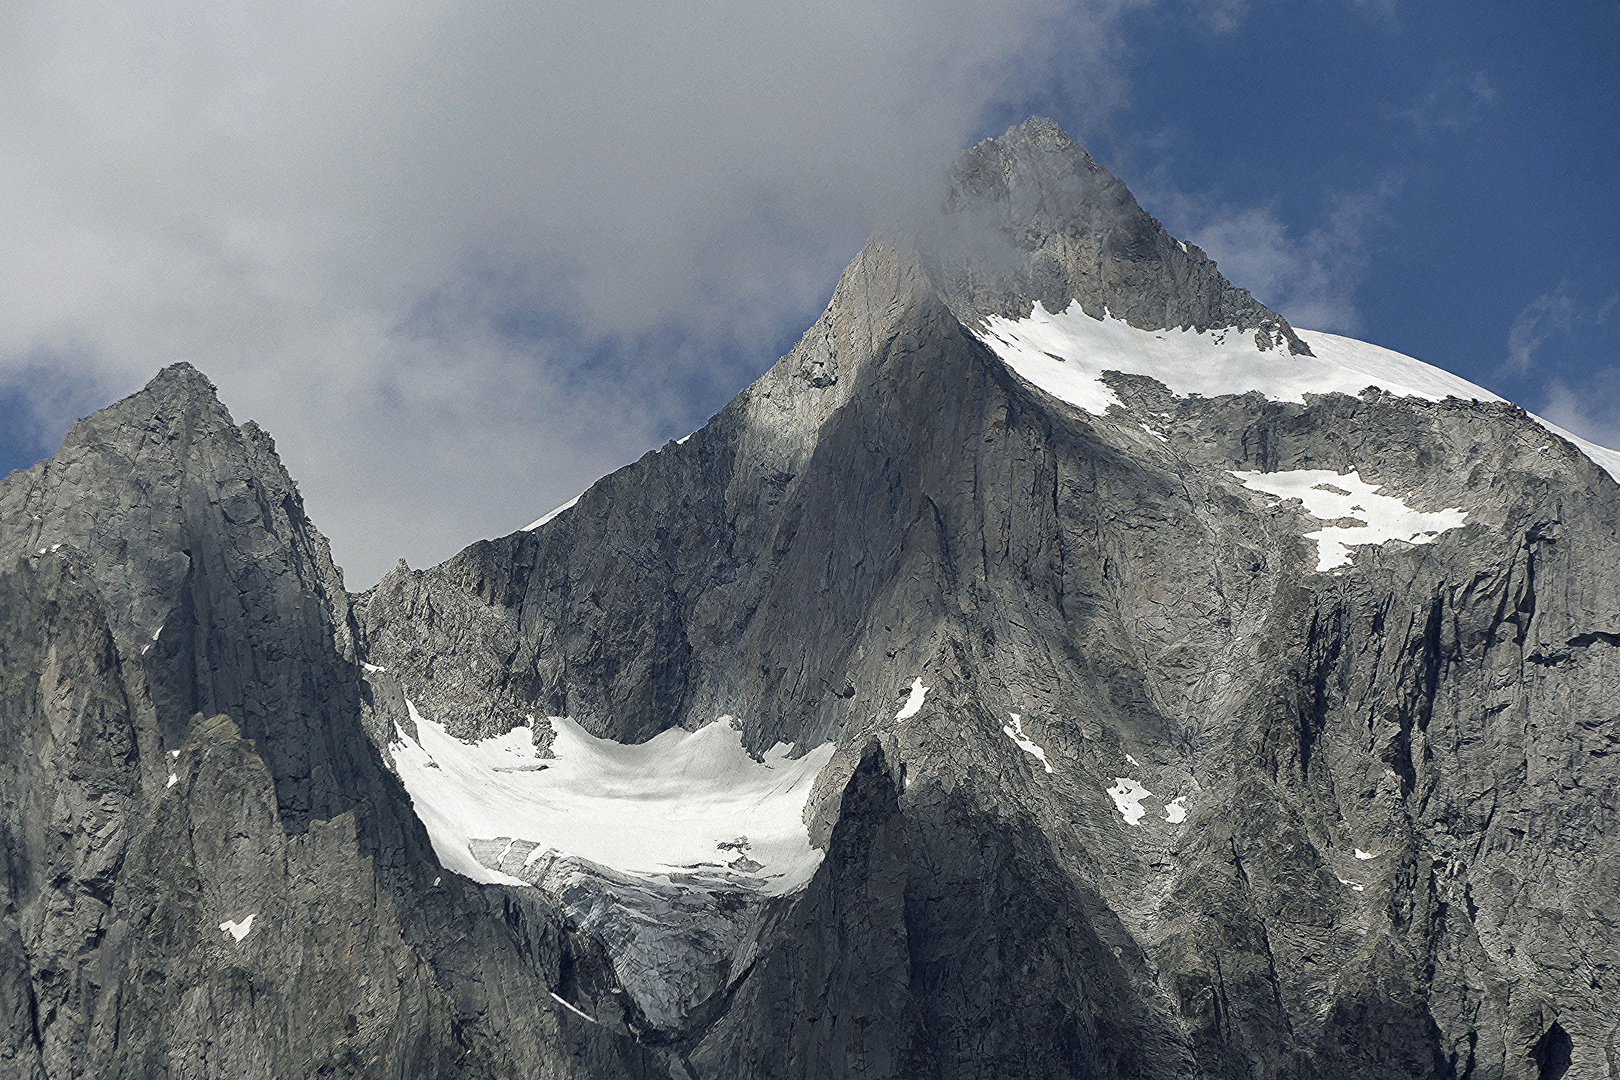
543,518
1175,811
173,780
914,703
1128,795
572,1008
1016,733
1365,854
239,930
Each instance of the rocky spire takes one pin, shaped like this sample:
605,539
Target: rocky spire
1031,217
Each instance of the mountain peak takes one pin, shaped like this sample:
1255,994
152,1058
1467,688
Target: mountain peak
181,382
1030,217
1043,134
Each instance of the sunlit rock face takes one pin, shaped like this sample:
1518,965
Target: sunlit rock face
1057,665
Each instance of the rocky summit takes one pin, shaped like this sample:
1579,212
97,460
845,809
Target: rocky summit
1056,666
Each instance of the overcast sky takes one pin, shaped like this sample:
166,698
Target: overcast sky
462,259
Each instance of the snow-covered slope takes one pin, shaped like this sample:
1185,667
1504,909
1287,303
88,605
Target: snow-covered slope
1066,354
683,800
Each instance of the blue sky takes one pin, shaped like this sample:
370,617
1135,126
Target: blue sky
461,260
1471,152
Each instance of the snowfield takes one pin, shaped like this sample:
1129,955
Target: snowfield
1338,497
1066,354
648,809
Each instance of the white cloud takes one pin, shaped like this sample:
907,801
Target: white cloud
461,259
1452,101
1591,409
1225,16
1547,314
1557,338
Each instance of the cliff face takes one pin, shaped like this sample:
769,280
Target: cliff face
1210,709
207,868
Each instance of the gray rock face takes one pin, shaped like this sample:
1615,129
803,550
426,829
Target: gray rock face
677,942
1176,803
157,571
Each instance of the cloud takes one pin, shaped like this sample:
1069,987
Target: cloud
1547,314
462,259
1225,16
1310,279
1559,349
1591,410
1451,102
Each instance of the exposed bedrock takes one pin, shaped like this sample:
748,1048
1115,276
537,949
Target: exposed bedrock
1121,783
182,760
820,544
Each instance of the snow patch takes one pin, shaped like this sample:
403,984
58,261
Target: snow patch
914,703
543,518
646,808
1356,885
156,632
1128,795
56,547
173,780
373,669
239,930
1132,760
571,1008
174,754
1066,353
1335,497
1016,734
1365,854
1175,811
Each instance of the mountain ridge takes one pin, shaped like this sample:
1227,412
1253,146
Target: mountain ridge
1123,780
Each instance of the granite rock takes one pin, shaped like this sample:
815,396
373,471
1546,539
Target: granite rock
1176,803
